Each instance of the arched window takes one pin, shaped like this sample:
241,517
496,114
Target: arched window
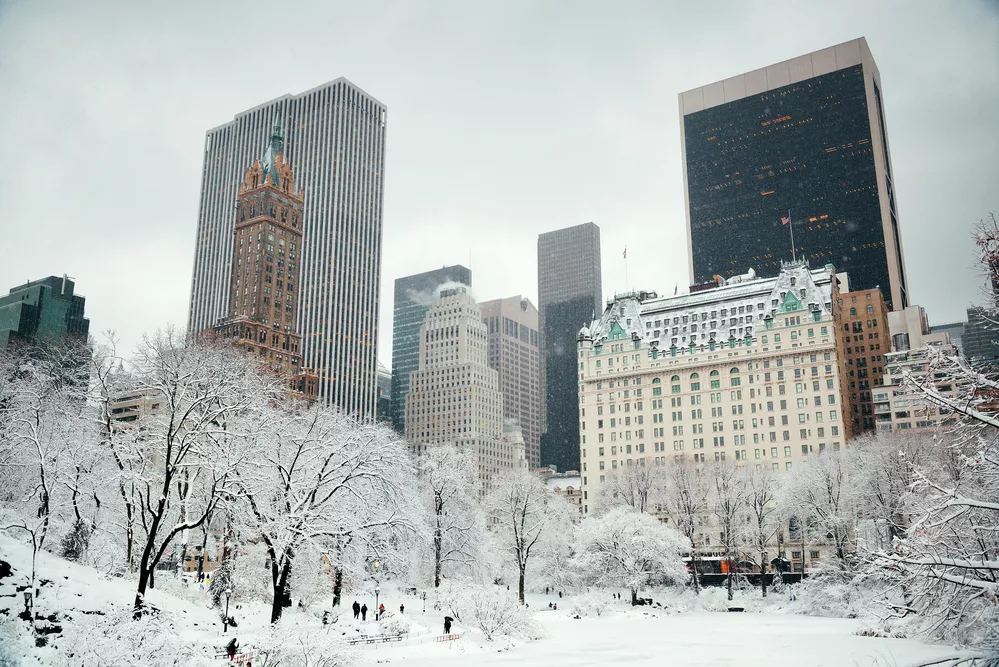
734,377
715,380
675,384
695,382
656,390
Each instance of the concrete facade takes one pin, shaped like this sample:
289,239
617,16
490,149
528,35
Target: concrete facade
454,397
866,340
750,370
515,353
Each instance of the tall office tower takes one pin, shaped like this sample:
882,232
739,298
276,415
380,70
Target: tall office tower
804,139
336,141
42,312
454,397
866,339
413,296
384,394
514,351
569,295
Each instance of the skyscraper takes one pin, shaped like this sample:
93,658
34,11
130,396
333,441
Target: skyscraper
454,396
264,286
804,140
335,140
569,295
515,353
42,312
413,296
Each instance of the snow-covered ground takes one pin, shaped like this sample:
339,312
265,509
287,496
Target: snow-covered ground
622,635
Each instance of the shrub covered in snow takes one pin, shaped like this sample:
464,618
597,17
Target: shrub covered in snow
394,624
495,611
290,646
591,604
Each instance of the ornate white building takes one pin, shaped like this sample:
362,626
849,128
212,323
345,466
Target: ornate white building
454,397
745,370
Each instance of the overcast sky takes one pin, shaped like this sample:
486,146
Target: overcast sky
506,119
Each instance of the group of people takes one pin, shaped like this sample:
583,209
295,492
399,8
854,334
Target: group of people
362,610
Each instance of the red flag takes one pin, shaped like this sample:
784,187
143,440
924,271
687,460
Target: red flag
625,252
784,220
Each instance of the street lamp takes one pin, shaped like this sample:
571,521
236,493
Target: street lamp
377,587
424,602
225,621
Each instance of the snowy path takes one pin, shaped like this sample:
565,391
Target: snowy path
702,639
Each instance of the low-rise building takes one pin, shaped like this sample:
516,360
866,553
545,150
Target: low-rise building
748,370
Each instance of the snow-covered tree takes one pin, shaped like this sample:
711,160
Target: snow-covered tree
686,499
625,547
763,519
449,488
320,478
190,449
948,560
525,511
494,611
636,486
728,497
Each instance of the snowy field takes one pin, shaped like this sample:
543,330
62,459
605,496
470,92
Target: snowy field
622,635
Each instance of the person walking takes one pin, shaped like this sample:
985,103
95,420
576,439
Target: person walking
231,648
447,625
364,612
381,610
356,608
402,608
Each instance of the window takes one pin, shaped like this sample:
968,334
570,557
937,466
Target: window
695,382
675,384
734,377
715,380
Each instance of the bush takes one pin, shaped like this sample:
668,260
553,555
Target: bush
591,604
288,646
394,624
496,612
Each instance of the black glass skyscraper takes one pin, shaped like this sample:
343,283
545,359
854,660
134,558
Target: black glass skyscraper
569,297
803,140
413,296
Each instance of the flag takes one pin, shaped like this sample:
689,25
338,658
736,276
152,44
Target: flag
675,287
785,220
625,252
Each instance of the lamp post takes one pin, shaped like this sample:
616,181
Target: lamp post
377,587
225,621
424,602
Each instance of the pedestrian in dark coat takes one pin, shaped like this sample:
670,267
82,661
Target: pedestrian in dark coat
364,612
231,648
447,625
402,608
357,609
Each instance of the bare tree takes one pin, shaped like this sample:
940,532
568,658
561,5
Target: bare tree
525,511
763,522
450,487
636,486
686,499
728,500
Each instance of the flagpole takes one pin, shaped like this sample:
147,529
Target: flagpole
790,224
626,284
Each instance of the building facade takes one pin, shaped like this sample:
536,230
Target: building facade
384,394
804,139
264,282
866,340
569,296
335,138
413,296
515,353
43,312
454,396
980,339
749,371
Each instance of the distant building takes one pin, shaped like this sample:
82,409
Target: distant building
264,283
980,339
806,139
565,484
336,140
454,396
43,312
136,405
514,351
954,330
384,394
897,406
413,296
749,371
513,438
569,296
866,340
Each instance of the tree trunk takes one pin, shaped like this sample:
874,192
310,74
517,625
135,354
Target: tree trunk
520,586
282,596
337,585
693,569
728,581
204,544
634,597
763,571
437,556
